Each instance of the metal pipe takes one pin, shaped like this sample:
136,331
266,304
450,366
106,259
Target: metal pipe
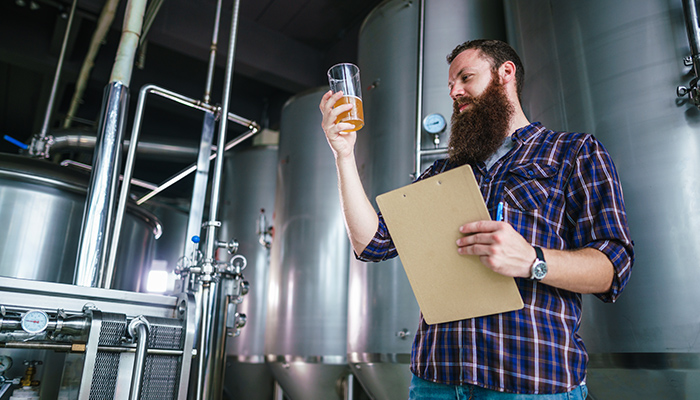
103,25
108,276
97,218
99,204
73,348
182,174
199,188
212,53
212,382
85,167
690,14
152,150
149,17
203,348
54,86
419,88
219,165
124,193
138,328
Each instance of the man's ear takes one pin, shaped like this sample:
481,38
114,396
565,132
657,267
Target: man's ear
507,72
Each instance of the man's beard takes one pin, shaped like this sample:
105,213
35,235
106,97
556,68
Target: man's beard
478,131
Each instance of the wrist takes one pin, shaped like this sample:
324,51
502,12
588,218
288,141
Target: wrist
538,269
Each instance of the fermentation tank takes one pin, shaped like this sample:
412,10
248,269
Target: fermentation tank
248,189
611,68
41,211
382,312
305,337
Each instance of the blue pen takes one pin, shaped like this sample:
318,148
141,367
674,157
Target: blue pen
499,211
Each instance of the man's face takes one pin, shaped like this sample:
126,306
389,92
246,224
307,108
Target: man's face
482,111
469,75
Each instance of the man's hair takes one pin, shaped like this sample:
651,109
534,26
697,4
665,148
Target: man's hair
497,52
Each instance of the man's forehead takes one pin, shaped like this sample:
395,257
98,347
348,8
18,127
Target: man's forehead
466,61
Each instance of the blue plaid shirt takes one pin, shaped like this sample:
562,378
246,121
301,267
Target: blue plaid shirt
560,191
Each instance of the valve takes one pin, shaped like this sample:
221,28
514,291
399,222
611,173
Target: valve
28,378
231,246
239,321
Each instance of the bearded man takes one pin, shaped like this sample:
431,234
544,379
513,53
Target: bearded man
563,233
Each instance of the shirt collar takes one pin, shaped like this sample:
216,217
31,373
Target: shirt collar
527,132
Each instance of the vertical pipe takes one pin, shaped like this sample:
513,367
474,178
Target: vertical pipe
212,53
692,26
103,25
97,217
203,349
54,86
99,205
216,184
419,88
139,330
208,344
131,32
108,278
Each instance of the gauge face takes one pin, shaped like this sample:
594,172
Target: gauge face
35,321
5,363
434,123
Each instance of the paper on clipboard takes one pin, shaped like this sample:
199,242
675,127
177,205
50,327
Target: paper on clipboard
423,219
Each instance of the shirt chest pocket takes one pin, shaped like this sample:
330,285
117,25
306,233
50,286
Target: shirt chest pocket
528,186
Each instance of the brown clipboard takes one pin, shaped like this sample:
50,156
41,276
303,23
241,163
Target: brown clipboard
423,219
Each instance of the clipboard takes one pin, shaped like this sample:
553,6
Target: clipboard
423,219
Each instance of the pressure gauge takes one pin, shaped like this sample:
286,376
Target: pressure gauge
35,321
434,123
5,363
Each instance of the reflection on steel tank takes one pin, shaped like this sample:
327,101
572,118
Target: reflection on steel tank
248,188
305,337
41,212
383,314
611,68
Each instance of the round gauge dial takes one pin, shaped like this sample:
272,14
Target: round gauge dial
5,363
434,123
35,321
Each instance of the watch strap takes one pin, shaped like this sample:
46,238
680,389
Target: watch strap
540,254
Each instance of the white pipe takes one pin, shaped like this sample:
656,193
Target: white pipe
103,25
131,32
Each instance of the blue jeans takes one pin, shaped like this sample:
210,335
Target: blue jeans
421,389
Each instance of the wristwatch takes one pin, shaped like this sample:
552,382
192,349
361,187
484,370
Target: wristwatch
539,268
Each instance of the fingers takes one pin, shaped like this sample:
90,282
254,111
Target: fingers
330,113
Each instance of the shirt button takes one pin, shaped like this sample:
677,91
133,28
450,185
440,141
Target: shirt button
530,172
487,180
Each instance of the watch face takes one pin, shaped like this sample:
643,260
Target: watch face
539,270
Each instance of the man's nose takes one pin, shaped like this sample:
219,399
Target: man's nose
456,92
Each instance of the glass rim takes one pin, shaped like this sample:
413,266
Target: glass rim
356,69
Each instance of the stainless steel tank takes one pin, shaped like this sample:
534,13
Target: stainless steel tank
306,329
249,188
383,313
611,68
41,211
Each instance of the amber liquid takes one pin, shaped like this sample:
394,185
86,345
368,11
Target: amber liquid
355,116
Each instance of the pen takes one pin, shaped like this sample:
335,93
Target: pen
499,211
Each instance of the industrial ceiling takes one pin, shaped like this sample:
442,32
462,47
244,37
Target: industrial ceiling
283,47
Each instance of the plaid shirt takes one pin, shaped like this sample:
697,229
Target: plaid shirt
560,191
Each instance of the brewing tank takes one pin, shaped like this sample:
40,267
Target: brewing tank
248,191
611,69
306,329
41,210
399,63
